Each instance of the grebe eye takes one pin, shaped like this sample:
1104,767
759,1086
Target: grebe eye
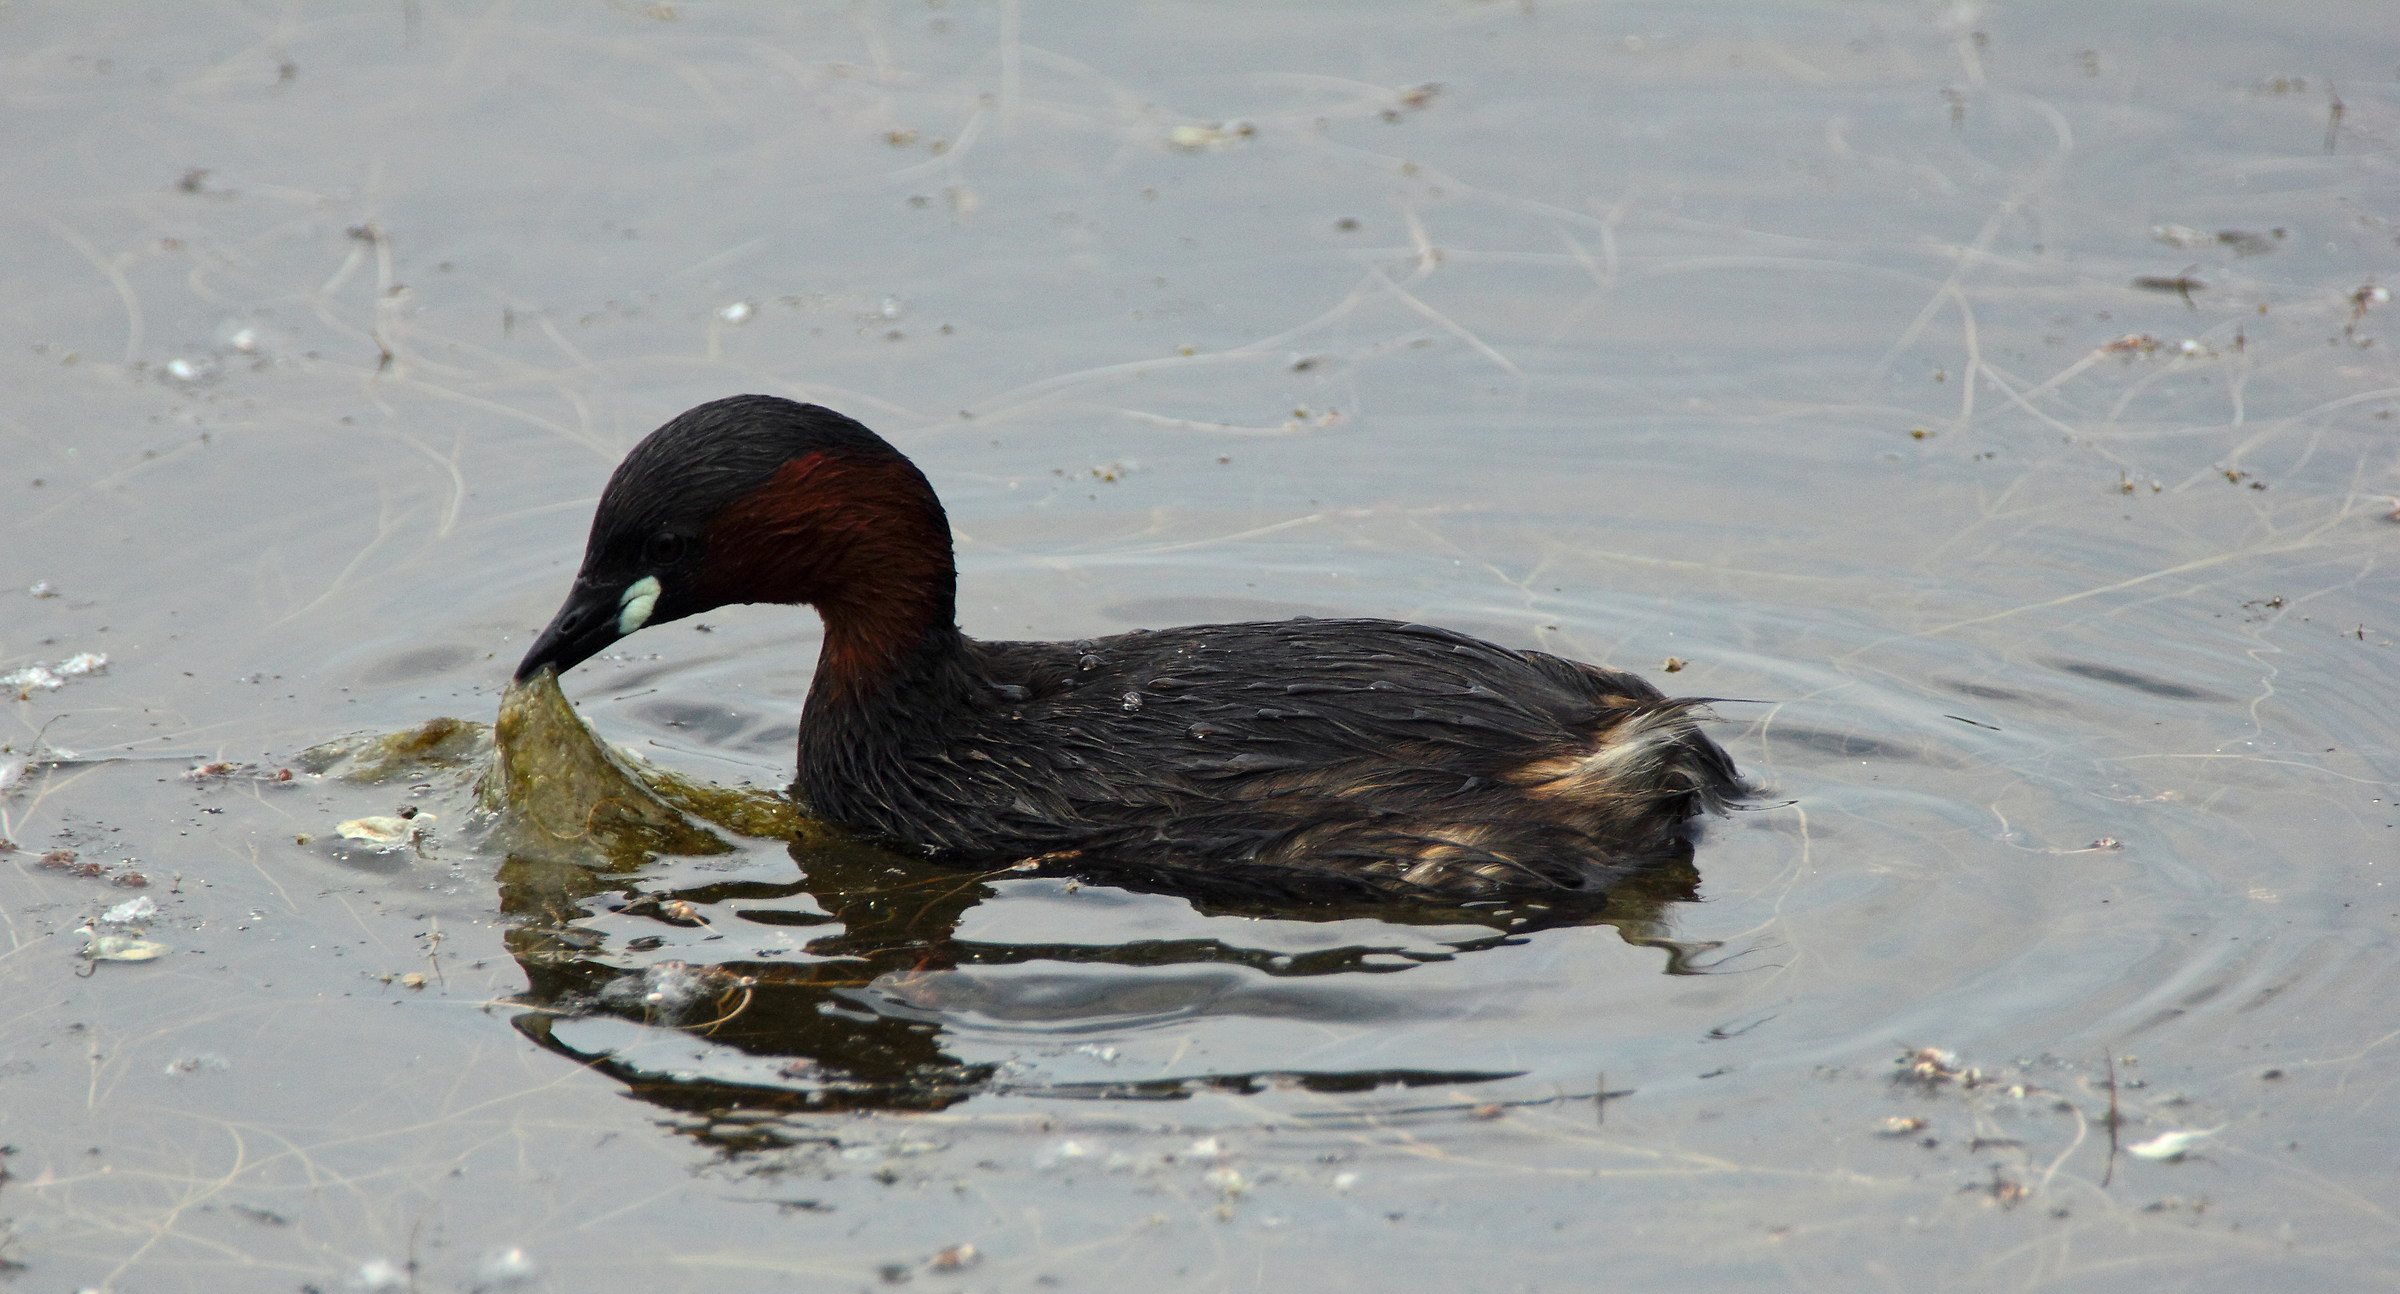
663,549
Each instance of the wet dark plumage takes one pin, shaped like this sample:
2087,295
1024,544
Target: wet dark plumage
1314,757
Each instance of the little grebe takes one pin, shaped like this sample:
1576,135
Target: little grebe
1314,756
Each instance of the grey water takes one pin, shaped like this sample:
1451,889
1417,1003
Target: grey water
1997,401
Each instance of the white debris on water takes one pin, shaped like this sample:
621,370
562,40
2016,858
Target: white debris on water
1065,1154
504,1268
376,1275
195,1063
668,987
1210,138
132,912
1228,1181
737,313
48,677
2171,1145
385,832
36,675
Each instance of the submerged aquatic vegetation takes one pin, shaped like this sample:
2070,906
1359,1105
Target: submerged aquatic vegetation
552,790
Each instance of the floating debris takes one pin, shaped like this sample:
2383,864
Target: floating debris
41,589
386,832
2367,298
2245,243
1900,1126
228,768
195,1063
503,1268
1932,1066
379,1274
1229,1182
2242,241
737,313
64,860
2005,1191
2131,343
1673,664
49,677
1212,138
1064,1154
669,986
2182,285
956,1258
101,947
2170,1146
436,743
132,912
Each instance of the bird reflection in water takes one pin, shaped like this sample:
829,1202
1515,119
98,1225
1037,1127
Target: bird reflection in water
672,988
858,1025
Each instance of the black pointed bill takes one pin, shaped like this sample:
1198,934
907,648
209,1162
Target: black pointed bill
583,628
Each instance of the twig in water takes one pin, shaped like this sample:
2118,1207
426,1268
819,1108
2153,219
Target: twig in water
1601,1096
433,953
2113,1120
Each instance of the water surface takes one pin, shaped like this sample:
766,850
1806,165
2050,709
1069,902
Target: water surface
1802,345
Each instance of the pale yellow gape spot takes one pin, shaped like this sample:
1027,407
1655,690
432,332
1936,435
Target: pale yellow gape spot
633,610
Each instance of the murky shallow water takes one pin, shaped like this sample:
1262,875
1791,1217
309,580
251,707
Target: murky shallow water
323,331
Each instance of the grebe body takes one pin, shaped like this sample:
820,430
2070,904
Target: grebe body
1308,756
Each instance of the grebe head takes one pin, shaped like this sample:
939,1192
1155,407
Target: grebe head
758,499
